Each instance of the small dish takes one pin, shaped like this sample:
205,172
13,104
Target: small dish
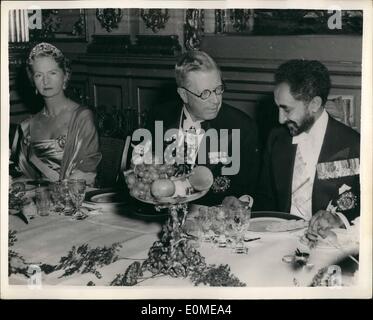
106,199
276,224
164,201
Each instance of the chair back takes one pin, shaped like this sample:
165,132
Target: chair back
111,162
124,163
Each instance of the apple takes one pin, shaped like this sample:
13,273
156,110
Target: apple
201,178
162,188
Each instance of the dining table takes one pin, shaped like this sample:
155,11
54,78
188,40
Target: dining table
45,240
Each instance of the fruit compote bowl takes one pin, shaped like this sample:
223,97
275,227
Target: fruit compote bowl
164,185
169,186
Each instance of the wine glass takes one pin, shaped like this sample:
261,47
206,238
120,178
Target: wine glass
241,219
57,196
66,200
77,188
205,223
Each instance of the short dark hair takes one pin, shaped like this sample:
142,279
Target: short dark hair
306,78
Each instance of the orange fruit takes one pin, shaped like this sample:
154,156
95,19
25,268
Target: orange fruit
201,178
162,188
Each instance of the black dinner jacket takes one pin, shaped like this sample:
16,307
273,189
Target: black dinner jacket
245,181
274,192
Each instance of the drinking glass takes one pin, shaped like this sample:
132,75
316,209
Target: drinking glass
205,224
57,196
240,224
219,219
66,199
43,201
77,188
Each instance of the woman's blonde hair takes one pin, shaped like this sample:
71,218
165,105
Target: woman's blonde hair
45,49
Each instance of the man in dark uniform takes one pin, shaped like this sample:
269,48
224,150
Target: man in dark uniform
201,114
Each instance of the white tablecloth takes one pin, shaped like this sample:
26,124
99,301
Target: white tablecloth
47,239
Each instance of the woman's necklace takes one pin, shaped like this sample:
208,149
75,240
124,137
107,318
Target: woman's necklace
46,113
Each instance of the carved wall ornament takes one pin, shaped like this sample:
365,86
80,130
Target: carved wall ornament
194,28
51,23
220,25
155,19
286,22
242,20
109,18
58,25
80,25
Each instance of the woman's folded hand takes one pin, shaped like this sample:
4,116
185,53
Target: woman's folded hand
89,177
232,202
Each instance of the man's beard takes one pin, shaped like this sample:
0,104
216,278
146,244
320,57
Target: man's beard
296,129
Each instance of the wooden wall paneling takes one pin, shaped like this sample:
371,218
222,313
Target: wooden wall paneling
147,81
250,84
346,81
149,92
258,104
79,86
132,96
246,87
22,98
78,91
15,101
247,102
284,47
106,93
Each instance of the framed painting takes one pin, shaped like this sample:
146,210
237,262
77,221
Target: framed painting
341,107
288,22
61,25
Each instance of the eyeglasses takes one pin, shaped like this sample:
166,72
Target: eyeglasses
205,94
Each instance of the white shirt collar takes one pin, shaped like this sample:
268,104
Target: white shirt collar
309,146
188,121
316,132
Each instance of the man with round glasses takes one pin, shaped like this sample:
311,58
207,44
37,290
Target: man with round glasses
205,94
200,87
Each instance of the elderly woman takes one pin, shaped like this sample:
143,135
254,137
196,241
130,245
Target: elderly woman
61,140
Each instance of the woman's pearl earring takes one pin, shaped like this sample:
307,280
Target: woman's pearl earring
36,91
64,86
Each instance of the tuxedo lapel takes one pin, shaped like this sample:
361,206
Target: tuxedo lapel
205,146
174,121
330,148
284,153
205,125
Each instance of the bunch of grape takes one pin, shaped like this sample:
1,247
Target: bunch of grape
217,276
174,255
177,259
142,176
